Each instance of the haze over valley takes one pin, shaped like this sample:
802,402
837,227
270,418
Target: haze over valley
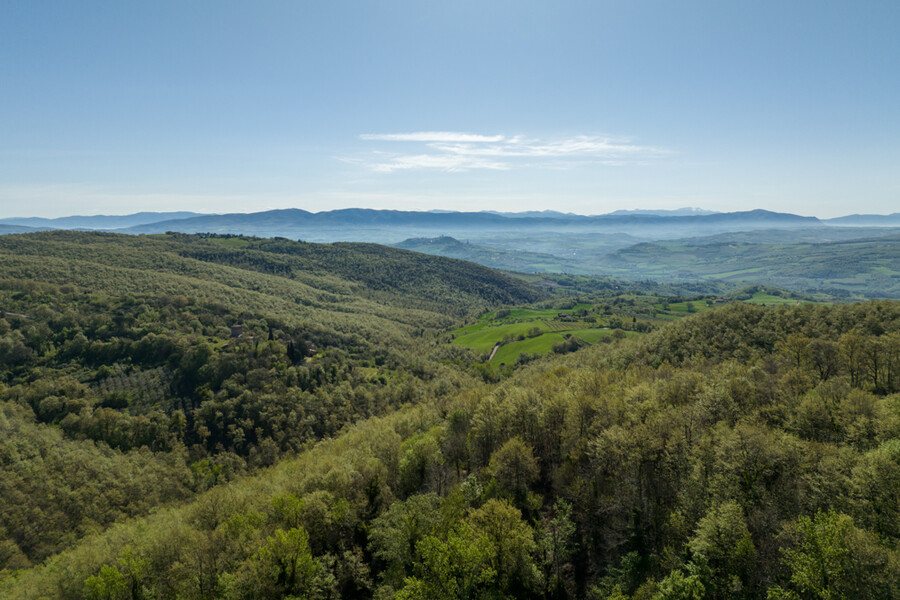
831,256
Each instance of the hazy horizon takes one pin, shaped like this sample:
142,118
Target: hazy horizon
698,211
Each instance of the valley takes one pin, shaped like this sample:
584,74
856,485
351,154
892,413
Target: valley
847,258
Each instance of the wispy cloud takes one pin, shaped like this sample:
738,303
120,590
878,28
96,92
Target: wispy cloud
445,162
456,151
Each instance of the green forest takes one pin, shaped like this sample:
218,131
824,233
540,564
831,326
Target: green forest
227,417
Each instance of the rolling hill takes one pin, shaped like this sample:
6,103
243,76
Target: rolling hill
891,220
6,229
496,258
868,267
745,247
844,262
321,273
137,371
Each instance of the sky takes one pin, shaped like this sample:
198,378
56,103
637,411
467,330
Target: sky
582,106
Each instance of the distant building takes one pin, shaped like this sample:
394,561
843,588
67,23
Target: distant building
237,330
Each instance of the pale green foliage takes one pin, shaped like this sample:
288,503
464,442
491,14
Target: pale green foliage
121,582
514,466
683,456
420,462
108,584
876,480
832,560
394,535
678,586
284,566
511,541
458,566
490,552
723,538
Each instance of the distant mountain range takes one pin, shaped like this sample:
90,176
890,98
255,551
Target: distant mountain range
394,226
300,223
891,220
552,214
678,212
98,221
857,255
290,222
540,214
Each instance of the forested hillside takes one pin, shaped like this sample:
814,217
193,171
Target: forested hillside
329,277
124,387
744,452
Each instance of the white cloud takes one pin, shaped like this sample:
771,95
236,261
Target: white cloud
445,162
452,151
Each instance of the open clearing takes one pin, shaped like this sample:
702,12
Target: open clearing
482,337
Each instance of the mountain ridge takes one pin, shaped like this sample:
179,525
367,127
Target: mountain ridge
142,221
98,221
856,220
298,218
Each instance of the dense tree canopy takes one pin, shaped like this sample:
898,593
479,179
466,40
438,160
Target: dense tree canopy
742,452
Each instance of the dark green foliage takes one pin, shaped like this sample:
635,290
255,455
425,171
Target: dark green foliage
56,489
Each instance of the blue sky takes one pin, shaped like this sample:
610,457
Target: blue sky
584,106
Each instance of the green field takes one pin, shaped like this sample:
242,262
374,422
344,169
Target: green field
515,322
508,353
542,344
482,336
513,326
485,334
593,335
231,242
